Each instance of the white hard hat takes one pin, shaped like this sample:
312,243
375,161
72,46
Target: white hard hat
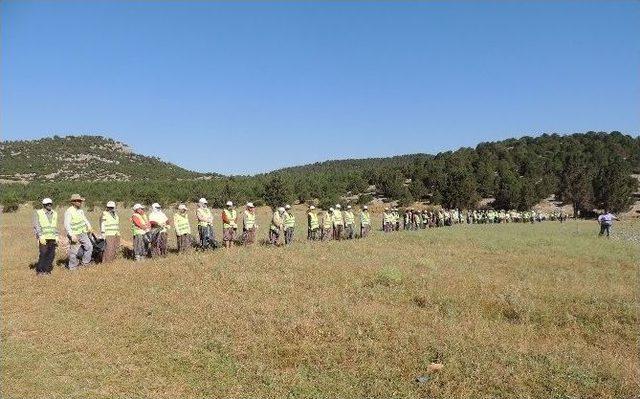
312,207
155,205
287,206
229,203
182,207
331,209
111,204
138,206
386,209
202,200
365,207
348,206
338,206
250,205
47,201
280,209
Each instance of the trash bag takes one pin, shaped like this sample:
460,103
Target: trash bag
98,244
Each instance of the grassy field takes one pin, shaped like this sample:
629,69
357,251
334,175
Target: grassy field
544,310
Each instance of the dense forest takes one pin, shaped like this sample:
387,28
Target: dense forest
588,170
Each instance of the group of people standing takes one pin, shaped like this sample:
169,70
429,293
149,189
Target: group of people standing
150,229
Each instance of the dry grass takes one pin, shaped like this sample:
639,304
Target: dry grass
516,310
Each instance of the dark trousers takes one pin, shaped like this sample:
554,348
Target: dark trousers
605,228
46,257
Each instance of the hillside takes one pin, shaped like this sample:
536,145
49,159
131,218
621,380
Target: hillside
81,158
586,171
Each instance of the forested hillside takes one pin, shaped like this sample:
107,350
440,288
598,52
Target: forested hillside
81,158
589,170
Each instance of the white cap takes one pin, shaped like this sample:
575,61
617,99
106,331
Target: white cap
280,209
155,205
348,206
287,206
202,200
338,206
138,206
250,205
111,204
386,209
365,207
312,207
182,207
229,203
47,201
331,209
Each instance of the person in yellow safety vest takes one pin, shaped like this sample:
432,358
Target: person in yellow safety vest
276,225
78,229
159,225
205,225
365,222
312,223
110,230
183,228
338,222
349,223
45,226
249,225
327,225
387,220
289,223
139,228
396,219
229,225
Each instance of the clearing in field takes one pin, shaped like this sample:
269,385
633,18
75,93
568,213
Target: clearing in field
544,310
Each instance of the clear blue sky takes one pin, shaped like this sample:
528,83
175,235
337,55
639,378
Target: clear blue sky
250,87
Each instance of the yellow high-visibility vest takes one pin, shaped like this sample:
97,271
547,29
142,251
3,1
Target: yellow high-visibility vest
181,223
365,218
135,230
349,218
249,220
78,224
49,228
231,217
111,224
313,221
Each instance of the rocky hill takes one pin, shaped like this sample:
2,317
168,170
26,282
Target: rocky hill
81,158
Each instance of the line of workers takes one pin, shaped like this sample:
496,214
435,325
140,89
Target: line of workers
150,229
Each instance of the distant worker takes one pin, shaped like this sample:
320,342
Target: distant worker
205,225
338,222
110,230
78,229
229,225
365,222
327,225
349,223
289,223
45,226
249,225
159,227
396,219
139,228
606,222
183,228
312,224
276,226
387,220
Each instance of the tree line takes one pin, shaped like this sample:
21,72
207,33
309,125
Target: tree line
588,170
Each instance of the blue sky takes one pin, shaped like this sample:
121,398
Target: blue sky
249,87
